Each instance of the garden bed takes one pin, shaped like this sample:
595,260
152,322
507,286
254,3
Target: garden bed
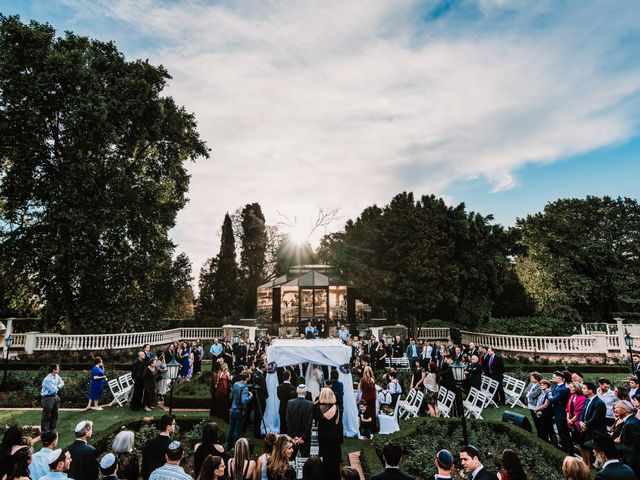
422,438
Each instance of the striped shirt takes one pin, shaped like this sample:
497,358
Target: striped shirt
169,471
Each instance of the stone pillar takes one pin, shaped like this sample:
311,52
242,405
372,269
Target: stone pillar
621,330
601,344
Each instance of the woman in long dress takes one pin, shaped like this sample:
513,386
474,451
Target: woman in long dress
327,416
369,394
183,358
222,404
98,378
314,380
149,387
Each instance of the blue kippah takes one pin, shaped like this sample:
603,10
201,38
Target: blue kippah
445,459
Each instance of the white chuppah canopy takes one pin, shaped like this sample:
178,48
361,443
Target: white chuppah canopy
331,352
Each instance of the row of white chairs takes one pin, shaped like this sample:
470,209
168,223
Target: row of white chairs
401,363
120,388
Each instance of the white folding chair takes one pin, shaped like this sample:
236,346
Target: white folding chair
513,390
119,395
475,403
489,387
126,381
408,399
412,409
446,404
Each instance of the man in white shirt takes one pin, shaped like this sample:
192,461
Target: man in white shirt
59,463
172,469
608,397
633,386
40,460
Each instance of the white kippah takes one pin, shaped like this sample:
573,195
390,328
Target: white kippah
175,445
80,426
107,461
53,456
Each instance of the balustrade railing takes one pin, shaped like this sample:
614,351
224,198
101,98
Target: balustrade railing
54,341
439,333
511,343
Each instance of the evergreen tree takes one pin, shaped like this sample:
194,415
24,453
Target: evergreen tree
253,240
220,293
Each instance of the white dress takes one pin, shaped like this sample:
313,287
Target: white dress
313,379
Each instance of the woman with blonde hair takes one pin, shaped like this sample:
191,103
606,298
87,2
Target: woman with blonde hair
241,467
327,416
369,394
222,402
278,467
575,469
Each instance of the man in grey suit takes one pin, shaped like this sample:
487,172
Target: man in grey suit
299,421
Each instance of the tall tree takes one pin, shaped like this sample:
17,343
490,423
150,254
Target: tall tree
92,176
253,241
417,259
220,287
582,257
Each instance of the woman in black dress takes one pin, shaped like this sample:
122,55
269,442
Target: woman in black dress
209,446
278,467
327,416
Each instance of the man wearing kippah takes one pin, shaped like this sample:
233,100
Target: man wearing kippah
472,464
172,469
109,467
59,463
444,464
84,465
299,421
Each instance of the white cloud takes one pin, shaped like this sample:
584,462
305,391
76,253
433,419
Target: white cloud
345,103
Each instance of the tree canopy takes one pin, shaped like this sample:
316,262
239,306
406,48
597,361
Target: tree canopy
582,259
92,176
420,259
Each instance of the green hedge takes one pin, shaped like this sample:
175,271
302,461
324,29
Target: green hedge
421,439
195,393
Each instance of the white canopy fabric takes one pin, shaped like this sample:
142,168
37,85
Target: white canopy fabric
331,352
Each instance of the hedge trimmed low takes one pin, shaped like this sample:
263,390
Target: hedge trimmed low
422,438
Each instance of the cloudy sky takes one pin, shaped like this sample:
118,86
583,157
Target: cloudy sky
504,105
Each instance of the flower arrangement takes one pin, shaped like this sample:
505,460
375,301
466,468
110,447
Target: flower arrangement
345,368
271,367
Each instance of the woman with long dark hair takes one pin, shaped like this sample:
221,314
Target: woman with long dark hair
12,437
511,467
261,467
19,465
210,445
212,468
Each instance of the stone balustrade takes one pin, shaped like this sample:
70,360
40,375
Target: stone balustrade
35,341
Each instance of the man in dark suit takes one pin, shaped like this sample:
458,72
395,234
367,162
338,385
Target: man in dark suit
154,451
558,400
593,417
473,350
286,392
84,457
630,437
299,418
472,464
338,390
604,450
240,352
495,370
392,453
